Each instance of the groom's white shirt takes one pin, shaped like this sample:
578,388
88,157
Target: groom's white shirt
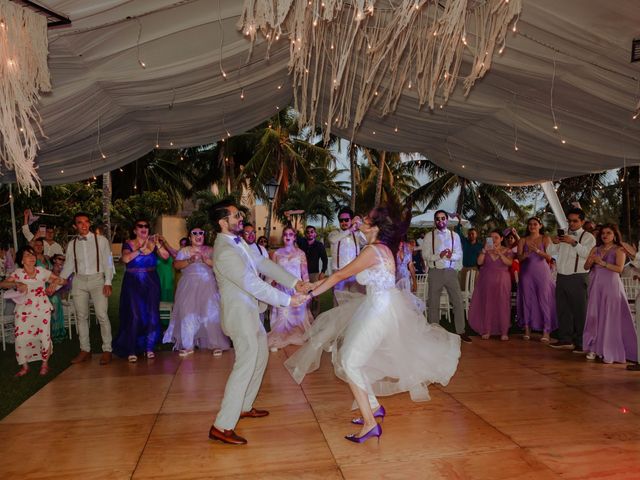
237,268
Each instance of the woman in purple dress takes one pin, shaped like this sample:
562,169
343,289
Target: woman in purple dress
289,324
609,331
490,309
536,291
140,296
195,319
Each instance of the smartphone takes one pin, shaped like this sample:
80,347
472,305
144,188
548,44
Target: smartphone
489,243
561,232
42,231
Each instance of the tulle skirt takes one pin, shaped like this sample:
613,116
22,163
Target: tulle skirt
382,343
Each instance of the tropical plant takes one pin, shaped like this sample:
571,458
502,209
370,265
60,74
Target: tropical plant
204,200
481,203
148,205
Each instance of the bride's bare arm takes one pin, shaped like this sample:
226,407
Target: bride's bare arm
366,259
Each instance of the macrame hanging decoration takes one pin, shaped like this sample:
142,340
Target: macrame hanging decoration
23,75
367,53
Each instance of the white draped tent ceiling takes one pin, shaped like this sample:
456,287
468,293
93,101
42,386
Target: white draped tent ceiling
105,110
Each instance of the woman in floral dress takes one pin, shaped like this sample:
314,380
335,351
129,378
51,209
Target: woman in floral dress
33,311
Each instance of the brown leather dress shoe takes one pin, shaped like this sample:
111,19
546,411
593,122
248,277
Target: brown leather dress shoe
105,359
82,357
254,413
226,436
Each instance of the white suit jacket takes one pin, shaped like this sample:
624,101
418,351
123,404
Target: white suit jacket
237,270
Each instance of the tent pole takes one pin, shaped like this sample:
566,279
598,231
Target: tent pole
13,219
554,203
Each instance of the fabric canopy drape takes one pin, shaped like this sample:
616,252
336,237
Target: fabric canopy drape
200,82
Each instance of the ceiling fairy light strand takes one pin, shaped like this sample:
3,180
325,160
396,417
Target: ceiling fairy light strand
361,56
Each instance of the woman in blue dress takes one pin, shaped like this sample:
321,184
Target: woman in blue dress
140,297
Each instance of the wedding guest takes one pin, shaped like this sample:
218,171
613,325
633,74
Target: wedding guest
316,255
249,235
32,312
589,226
442,253
490,309
263,242
289,324
184,242
536,291
572,250
55,293
41,259
89,258
510,240
346,244
609,330
471,248
195,319
51,247
7,265
405,271
418,261
166,273
140,295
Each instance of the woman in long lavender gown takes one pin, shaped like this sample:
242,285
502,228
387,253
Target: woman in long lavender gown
289,324
490,309
536,291
195,319
140,296
609,331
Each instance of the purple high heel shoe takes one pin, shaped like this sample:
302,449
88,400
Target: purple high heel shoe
379,413
374,432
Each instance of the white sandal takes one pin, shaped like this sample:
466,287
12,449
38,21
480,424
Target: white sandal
217,352
132,359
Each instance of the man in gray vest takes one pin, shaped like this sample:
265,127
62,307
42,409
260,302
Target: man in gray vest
572,250
442,253
89,259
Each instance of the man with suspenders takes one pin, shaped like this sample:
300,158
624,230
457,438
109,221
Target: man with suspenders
572,281
442,253
89,259
346,245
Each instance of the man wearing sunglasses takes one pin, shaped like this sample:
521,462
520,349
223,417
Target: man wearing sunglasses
243,295
346,245
442,253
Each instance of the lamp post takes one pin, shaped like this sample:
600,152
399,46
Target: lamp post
272,188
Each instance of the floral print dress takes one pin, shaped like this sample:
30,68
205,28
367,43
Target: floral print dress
32,318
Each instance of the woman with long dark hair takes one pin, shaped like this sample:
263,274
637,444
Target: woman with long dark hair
609,332
537,290
380,343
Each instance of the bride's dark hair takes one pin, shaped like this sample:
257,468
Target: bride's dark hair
392,226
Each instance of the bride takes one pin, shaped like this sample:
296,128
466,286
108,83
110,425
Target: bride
380,342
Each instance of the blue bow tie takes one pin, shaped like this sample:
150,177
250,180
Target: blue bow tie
237,240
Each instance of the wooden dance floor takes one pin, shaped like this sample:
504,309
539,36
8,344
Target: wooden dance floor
514,410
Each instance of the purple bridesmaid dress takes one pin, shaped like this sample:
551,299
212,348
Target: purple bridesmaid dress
609,329
536,294
490,309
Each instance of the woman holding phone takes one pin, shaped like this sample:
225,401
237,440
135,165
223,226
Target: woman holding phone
140,298
490,309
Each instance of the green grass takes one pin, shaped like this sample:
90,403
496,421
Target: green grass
14,391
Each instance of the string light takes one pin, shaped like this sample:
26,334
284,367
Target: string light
140,62
242,94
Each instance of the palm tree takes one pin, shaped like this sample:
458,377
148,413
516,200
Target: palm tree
481,203
282,154
106,204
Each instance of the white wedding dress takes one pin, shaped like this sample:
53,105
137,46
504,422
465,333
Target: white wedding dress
380,341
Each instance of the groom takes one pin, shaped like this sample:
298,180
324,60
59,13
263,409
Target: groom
243,294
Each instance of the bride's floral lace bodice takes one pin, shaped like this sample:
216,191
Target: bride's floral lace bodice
380,277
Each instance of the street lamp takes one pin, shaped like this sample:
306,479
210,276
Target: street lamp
272,188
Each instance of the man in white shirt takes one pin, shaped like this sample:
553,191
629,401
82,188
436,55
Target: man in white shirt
249,236
51,247
346,245
89,259
571,251
442,254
